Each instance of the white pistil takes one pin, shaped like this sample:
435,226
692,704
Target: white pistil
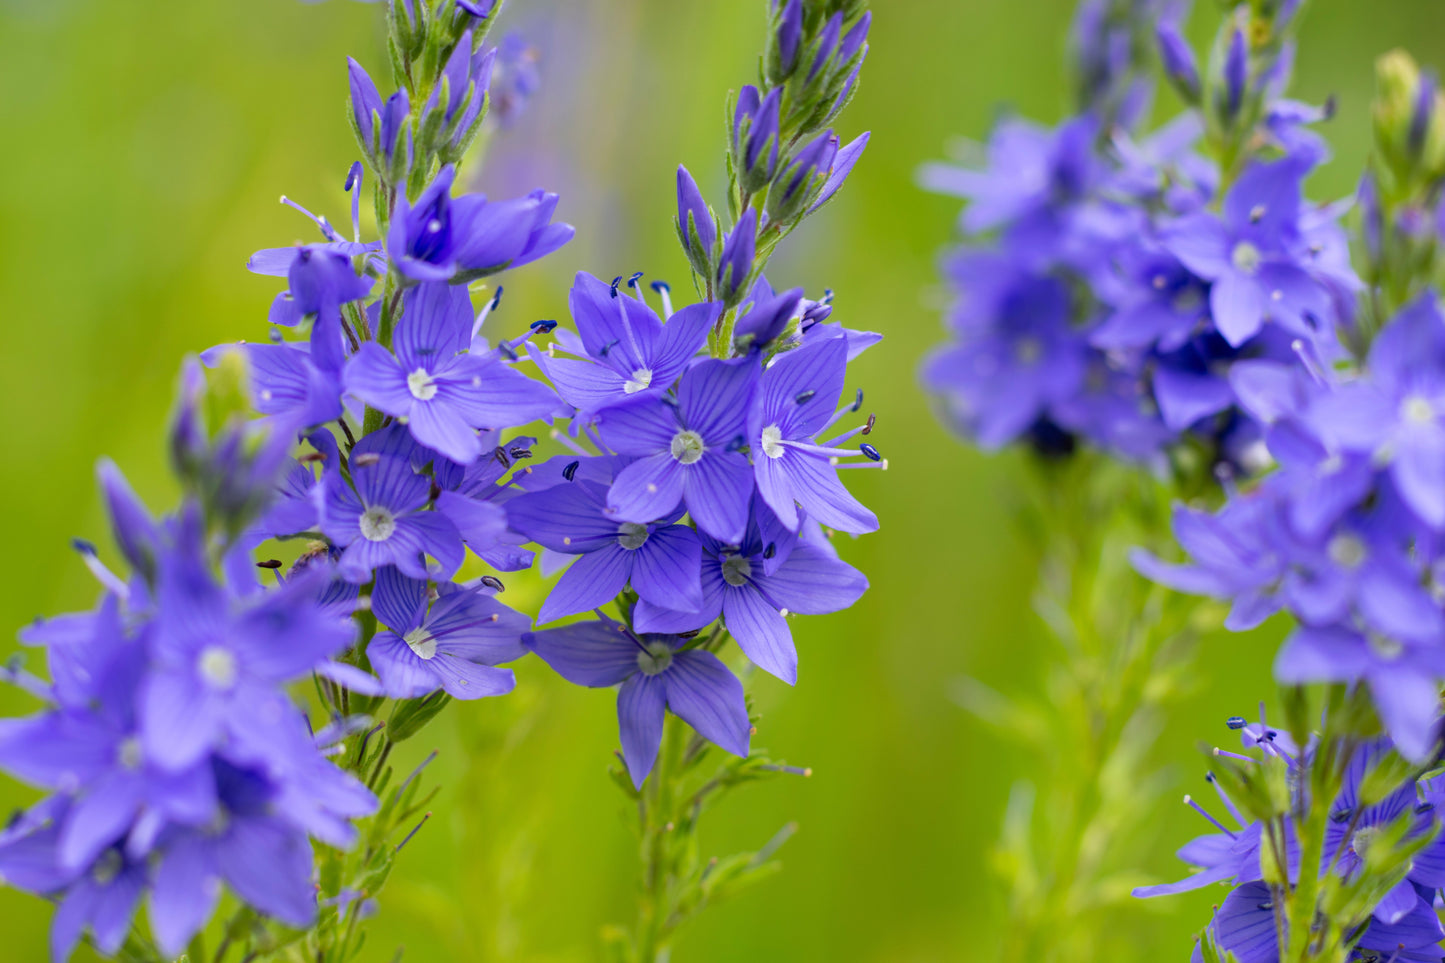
687,446
217,666
377,524
422,643
773,441
641,380
421,385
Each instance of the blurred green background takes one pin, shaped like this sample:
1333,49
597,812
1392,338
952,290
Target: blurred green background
142,148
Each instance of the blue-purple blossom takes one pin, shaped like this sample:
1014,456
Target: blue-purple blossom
661,561
754,598
465,80
381,518
629,350
688,450
798,399
1257,257
443,392
440,238
656,673
452,643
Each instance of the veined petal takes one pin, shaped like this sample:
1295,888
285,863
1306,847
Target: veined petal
593,580
708,697
640,712
647,489
594,654
717,490
666,569
761,632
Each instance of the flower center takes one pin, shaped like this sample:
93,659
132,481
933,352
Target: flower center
656,659
129,753
1245,257
377,524
631,535
422,643
1188,300
1028,350
217,667
641,380
1385,647
1346,551
1418,410
1360,842
736,570
421,385
107,867
687,446
773,441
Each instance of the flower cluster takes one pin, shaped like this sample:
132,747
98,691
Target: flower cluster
1345,535
381,427
738,448
174,756
1380,863
1102,297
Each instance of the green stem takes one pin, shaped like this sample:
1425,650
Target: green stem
657,805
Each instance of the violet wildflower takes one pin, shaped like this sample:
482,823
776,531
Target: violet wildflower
754,602
660,561
442,391
452,643
379,519
442,238
755,137
796,402
688,450
656,673
736,263
629,350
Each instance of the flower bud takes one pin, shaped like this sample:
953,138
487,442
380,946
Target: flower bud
801,179
696,225
1409,128
1178,61
1236,74
737,258
409,20
786,39
755,138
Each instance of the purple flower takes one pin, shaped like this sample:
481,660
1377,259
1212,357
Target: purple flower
802,178
218,659
286,384
379,519
630,351
688,450
1396,412
656,673
660,561
998,382
1236,73
443,392
799,392
515,79
453,644
754,602
443,238
1257,257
